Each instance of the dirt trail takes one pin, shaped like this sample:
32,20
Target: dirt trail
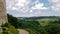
21,31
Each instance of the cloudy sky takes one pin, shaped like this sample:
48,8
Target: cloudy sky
29,8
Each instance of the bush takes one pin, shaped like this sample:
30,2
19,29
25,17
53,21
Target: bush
9,29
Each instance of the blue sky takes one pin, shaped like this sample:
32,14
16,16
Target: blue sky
30,8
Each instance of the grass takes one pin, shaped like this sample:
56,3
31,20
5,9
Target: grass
10,29
45,21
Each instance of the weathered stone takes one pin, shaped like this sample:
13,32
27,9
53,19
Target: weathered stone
3,12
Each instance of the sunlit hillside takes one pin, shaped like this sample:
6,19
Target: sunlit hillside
37,26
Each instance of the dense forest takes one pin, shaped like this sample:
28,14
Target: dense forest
41,25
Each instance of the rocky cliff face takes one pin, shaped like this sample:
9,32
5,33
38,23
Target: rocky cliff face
3,12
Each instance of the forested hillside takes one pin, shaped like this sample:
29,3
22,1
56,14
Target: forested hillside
37,26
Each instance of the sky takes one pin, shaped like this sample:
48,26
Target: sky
30,8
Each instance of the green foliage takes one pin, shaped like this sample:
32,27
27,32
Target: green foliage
37,26
53,28
29,24
9,29
12,20
45,21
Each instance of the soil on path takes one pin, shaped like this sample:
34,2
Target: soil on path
22,31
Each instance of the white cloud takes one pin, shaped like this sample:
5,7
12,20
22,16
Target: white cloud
23,3
14,8
39,6
54,1
56,5
31,10
10,4
19,5
21,8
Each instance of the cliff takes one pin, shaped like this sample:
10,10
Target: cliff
3,12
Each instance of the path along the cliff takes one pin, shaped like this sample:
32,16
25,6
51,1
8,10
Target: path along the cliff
22,31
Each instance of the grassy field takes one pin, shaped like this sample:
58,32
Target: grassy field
45,21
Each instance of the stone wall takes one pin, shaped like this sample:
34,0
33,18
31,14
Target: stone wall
3,12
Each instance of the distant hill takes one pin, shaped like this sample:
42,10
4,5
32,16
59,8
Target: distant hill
40,17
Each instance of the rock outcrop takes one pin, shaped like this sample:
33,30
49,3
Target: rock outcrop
3,12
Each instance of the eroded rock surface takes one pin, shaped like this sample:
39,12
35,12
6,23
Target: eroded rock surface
3,12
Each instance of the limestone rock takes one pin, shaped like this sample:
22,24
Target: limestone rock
3,12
